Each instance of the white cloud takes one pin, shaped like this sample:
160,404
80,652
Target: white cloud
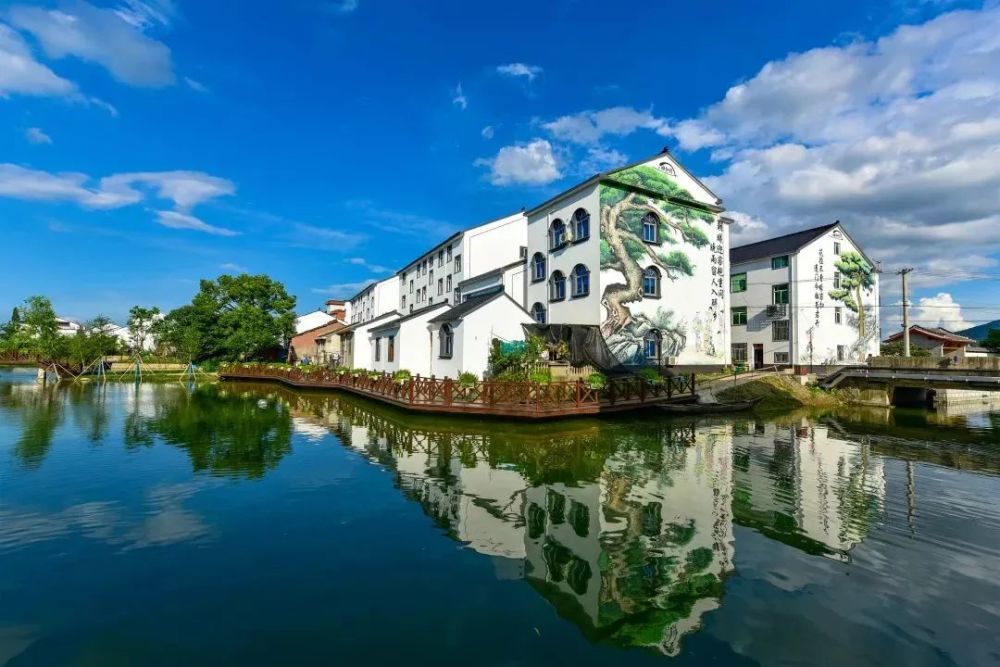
148,14
528,72
106,37
341,7
899,138
533,163
235,268
20,183
459,99
745,228
590,127
342,290
398,222
374,268
940,310
599,158
37,136
487,132
185,189
196,85
177,220
311,236
21,74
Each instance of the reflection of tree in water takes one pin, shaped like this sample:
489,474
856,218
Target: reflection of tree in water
40,411
224,433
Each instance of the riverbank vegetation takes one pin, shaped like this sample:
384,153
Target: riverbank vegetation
778,393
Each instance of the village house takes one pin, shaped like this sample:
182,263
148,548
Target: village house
803,299
403,322
941,342
639,256
319,345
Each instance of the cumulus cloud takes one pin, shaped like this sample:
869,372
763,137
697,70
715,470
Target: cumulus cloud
899,138
374,268
599,158
533,163
22,74
111,38
590,127
37,136
940,310
521,70
177,220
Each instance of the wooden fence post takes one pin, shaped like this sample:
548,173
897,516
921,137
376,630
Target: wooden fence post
447,391
693,388
579,391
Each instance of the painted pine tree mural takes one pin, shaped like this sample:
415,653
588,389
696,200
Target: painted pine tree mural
857,277
623,249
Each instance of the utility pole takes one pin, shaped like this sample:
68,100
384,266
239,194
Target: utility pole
906,313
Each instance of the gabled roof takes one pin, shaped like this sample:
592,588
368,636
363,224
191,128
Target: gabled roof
358,325
936,333
606,175
454,237
392,324
469,306
779,245
326,325
499,271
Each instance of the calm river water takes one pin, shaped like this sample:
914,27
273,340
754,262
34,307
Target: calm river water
251,525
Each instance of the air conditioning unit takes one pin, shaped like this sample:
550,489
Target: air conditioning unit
777,310
670,361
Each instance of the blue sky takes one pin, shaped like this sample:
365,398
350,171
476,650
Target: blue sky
147,144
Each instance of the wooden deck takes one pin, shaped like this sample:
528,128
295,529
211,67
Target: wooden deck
499,398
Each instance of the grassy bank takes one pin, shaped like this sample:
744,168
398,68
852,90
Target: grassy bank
151,376
782,393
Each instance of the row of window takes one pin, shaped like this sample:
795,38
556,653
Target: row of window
390,351
651,278
739,353
579,227
739,317
443,255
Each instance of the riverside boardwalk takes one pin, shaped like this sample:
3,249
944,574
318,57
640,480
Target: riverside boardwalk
501,398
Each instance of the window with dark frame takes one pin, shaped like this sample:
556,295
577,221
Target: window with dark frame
739,316
390,350
538,313
651,343
581,225
651,282
779,262
738,282
557,286
447,342
378,349
779,330
650,228
581,280
739,353
838,316
779,294
538,267
781,357
557,234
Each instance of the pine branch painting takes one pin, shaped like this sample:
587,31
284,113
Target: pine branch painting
857,277
623,249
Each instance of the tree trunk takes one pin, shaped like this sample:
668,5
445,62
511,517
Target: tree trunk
861,312
617,295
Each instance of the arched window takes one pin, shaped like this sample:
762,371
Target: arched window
651,282
651,342
537,267
538,313
581,280
581,225
650,228
447,341
557,286
557,234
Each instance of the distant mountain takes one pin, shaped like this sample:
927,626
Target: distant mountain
982,331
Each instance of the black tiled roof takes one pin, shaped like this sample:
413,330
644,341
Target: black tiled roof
466,307
779,245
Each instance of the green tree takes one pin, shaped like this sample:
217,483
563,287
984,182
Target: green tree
140,324
992,340
857,277
231,318
38,324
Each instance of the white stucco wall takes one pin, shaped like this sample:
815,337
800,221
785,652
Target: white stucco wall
759,327
500,318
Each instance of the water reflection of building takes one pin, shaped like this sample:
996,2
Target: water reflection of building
801,485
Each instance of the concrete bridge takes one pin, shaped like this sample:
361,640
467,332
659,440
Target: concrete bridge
919,381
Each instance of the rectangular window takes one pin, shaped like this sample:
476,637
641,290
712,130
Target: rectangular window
651,229
838,316
447,284
779,330
431,278
440,286
779,262
841,352
458,263
378,348
449,253
836,280
739,353
390,353
411,287
440,257
781,357
738,282
836,248
779,294
402,302
739,317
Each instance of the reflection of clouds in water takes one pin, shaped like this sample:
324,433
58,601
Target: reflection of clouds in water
313,433
164,522
15,639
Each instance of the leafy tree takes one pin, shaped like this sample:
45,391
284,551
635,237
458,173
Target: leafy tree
140,325
857,277
895,349
231,318
992,340
38,324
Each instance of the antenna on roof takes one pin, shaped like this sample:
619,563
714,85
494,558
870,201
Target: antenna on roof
666,149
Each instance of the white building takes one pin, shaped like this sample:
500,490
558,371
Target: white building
438,315
309,321
639,253
808,298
